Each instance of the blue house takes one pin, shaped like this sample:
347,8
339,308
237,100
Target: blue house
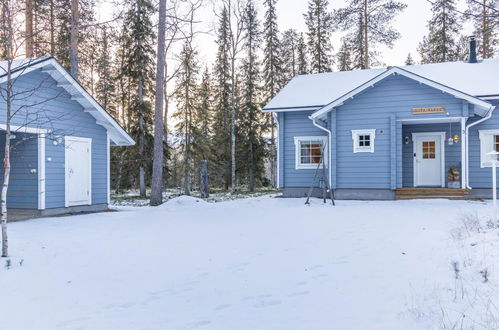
60,156
400,132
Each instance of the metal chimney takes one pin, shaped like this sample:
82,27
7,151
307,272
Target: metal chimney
472,58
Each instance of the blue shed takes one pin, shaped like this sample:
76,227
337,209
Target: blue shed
60,156
400,132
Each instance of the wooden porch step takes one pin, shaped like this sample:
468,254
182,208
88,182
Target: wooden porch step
429,193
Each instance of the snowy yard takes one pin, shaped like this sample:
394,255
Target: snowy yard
258,263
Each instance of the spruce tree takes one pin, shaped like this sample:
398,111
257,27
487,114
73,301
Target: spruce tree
368,23
319,23
185,95
273,74
302,55
251,118
486,23
441,43
105,89
203,118
344,57
290,53
409,60
138,69
221,121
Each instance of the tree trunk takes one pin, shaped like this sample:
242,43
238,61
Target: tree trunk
203,180
142,171
366,41
233,123
157,166
52,29
6,159
29,29
73,49
251,166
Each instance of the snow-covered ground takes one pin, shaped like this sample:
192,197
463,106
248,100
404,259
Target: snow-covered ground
257,263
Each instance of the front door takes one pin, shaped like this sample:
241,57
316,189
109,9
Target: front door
428,160
78,170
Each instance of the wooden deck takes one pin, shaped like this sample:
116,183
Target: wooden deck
430,193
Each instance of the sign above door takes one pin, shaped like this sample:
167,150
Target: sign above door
420,111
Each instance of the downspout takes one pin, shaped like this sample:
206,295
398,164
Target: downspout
488,116
276,119
329,146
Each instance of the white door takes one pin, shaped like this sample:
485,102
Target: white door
428,160
78,170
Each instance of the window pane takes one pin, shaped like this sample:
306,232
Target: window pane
310,152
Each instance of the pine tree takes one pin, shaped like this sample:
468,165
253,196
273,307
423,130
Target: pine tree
251,118
440,45
221,121
319,23
486,23
290,39
302,55
138,69
368,23
409,60
344,57
185,94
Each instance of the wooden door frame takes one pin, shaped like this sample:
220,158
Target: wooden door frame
442,154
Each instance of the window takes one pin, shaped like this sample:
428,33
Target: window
363,140
489,141
429,150
309,151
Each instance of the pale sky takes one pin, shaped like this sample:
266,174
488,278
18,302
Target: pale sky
411,23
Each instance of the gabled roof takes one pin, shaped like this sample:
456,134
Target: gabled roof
64,80
482,107
314,91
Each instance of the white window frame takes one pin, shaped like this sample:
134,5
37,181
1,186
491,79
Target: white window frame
298,140
486,145
355,137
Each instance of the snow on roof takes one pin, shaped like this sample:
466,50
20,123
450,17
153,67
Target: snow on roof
49,65
19,63
317,90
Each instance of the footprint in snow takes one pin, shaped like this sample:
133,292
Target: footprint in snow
223,306
301,293
268,303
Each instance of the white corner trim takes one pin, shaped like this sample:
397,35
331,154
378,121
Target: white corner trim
486,145
442,154
355,137
108,179
24,129
278,153
67,140
41,171
298,139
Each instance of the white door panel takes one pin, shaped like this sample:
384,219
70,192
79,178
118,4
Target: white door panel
78,171
428,160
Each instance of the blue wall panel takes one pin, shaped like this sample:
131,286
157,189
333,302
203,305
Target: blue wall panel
50,107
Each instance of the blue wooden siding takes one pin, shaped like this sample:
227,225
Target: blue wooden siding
293,124
374,109
56,111
481,177
23,185
452,153
380,107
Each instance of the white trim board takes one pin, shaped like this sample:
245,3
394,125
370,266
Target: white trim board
442,152
41,171
399,71
66,169
24,129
